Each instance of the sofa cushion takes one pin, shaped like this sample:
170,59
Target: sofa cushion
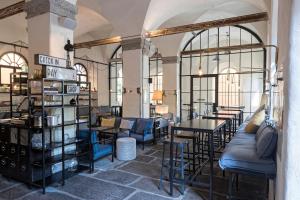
126,124
238,158
108,122
266,142
255,122
140,137
144,126
260,129
101,150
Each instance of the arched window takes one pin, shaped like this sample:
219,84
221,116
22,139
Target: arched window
15,62
82,74
241,74
116,78
156,75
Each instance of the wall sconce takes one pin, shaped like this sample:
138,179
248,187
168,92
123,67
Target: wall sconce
138,90
124,90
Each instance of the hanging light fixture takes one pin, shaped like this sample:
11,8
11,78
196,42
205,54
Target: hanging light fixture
200,72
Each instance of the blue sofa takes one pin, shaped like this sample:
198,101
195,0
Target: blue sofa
142,130
251,153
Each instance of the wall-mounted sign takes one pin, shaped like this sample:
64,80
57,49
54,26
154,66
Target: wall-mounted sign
59,73
40,59
72,89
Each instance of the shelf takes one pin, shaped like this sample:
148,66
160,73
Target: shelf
58,158
67,123
55,145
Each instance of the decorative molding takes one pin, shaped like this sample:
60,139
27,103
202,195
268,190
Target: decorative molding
100,42
136,43
170,60
12,10
59,7
210,24
182,29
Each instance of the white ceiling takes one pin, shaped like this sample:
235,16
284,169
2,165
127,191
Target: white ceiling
98,19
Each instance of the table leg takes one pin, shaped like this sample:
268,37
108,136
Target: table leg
211,161
171,162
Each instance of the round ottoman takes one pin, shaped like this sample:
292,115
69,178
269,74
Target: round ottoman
126,148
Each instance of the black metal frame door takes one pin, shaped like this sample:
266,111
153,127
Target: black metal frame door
203,91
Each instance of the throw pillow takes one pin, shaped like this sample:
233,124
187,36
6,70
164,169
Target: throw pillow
108,122
261,129
126,124
141,126
255,122
266,143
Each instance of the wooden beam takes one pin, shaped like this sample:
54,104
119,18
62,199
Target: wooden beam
12,10
182,29
210,24
100,42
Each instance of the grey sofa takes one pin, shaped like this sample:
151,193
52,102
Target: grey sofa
251,153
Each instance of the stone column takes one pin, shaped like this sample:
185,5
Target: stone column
291,140
170,82
50,24
135,77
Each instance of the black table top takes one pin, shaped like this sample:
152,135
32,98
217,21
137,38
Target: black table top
101,128
111,131
226,112
200,125
214,116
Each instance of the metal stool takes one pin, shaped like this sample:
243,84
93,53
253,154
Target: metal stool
179,163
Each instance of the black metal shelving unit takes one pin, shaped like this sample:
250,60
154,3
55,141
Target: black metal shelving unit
18,88
47,159
23,161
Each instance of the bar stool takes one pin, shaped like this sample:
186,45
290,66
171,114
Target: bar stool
194,137
179,163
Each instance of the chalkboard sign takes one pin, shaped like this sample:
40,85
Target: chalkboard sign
40,59
59,73
72,89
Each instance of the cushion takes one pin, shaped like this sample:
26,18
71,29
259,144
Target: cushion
108,122
255,122
260,129
144,126
266,142
238,158
140,137
126,124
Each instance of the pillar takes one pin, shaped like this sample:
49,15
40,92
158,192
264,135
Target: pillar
50,24
170,82
291,140
135,77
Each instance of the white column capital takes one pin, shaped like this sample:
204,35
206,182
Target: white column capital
62,8
170,60
136,43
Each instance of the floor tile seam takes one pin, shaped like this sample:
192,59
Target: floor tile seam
10,187
56,189
128,186
29,193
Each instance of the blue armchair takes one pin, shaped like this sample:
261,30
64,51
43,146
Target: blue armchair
143,131
99,149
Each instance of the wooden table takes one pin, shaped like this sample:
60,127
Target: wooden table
236,114
200,126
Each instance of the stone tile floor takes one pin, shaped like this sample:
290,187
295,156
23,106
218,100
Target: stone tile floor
131,180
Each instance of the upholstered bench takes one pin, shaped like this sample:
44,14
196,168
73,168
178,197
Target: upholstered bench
251,153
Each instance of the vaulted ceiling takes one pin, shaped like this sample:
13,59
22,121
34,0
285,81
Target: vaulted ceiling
98,19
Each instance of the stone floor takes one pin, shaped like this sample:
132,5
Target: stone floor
133,180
